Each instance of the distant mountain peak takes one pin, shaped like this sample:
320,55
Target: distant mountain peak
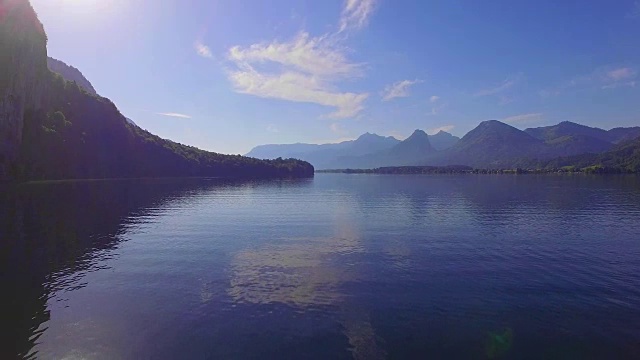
369,135
496,132
416,144
443,140
567,128
498,128
572,125
442,133
487,123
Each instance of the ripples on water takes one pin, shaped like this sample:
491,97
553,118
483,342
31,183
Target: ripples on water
341,266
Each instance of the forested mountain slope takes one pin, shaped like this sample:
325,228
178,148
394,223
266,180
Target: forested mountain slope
51,129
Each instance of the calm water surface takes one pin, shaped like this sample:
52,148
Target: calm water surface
337,267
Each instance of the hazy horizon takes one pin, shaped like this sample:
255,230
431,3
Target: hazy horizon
229,75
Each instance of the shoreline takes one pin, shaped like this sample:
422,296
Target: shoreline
465,170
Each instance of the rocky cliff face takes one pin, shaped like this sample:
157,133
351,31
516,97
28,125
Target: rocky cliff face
23,53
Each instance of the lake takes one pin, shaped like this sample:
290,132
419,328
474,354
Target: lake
336,267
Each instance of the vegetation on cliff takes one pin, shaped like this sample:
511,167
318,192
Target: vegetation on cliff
69,133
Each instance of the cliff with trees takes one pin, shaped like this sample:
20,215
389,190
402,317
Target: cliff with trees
51,128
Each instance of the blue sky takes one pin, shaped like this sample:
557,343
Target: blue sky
227,75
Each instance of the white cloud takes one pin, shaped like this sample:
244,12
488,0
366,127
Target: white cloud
606,77
436,105
620,77
304,69
503,86
445,128
523,118
297,87
176,115
307,70
613,77
203,50
272,128
619,74
319,56
356,13
398,89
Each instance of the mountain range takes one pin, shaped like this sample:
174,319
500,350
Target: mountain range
365,151
492,144
54,125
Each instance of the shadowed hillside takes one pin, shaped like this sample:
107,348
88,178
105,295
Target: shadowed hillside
51,129
70,73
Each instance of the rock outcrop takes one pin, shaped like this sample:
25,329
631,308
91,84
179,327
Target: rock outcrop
23,53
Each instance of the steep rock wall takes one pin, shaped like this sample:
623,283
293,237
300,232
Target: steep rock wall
23,49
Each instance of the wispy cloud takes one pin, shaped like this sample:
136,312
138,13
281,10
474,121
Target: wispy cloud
306,69
445,128
398,89
523,118
503,86
436,105
320,56
176,115
606,77
356,13
203,50
621,74
272,128
297,87
309,68
619,77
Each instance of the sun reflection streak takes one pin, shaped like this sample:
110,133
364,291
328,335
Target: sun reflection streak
306,273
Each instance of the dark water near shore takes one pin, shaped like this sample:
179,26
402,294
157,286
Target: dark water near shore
336,267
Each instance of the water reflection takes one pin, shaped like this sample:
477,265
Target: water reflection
366,266
53,233
311,273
